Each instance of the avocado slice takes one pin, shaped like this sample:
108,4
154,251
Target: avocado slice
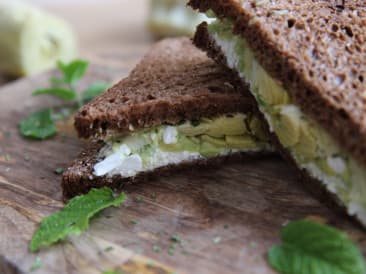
189,130
287,123
219,142
307,146
240,142
208,149
184,144
227,126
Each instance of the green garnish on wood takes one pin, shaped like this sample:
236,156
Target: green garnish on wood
312,248
74,217
41,124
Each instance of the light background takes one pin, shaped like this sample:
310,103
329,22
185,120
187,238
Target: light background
103,25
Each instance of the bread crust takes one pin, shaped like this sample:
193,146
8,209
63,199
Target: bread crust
175,81
203,40
317,51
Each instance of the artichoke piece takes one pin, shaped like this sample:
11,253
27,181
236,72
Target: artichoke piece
227,126
287,125
241,142
271,93
257,129
208,149
183,144
219,142
307,146
189,130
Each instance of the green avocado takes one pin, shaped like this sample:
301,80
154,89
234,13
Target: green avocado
184,144
208,149
287,123
219,142
227,126
307,145
241,142
189,130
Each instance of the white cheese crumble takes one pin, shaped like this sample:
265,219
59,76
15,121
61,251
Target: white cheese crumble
170,135
337,164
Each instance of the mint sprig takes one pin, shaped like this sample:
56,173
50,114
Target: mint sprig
63,88
64,94
73,71
312,248
39,125
74,217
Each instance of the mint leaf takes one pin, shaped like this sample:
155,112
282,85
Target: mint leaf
312,248
65,94
73,71
94,90
56,82
39,125
74,217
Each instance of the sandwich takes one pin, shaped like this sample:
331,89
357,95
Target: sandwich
304,63
177,108
172,18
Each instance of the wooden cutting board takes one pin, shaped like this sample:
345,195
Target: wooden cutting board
226,217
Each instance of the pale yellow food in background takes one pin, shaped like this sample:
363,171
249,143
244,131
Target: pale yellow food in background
173,18
32,40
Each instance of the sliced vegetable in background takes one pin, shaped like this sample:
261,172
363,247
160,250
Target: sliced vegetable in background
311,248
74,217
39,125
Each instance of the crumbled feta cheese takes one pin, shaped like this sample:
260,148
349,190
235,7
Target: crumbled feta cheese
337,164
170,135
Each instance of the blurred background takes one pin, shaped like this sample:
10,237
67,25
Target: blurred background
34,34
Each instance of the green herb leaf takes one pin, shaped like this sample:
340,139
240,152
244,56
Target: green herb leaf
56,82
94,90
74,217
36,265
39,125
64,94
59,170
73,71
175,238
312,248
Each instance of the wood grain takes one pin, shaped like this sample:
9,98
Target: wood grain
226,217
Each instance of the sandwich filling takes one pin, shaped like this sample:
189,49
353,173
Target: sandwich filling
310,145
173,144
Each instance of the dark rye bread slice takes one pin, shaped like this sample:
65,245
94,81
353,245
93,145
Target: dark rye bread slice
79,178
204,41
317,50
174,81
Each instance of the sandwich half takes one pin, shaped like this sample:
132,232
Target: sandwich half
305,64
176,108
